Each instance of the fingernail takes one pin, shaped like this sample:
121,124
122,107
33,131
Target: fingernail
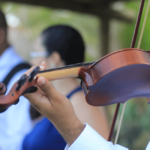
41,82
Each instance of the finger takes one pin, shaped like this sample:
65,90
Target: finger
30,70
46,87
43,66
38,100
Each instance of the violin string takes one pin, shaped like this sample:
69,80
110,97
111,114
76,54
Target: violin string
132,46
143,26
120,122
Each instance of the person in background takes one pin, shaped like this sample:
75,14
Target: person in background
57,108
15,123
62,45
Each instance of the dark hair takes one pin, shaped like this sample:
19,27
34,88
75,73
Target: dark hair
3,23
66,41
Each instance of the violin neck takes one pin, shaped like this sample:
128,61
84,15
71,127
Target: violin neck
60,74
63,72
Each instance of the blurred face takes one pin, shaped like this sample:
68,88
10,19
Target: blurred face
38,55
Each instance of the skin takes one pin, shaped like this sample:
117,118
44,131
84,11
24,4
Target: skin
57,108
94,116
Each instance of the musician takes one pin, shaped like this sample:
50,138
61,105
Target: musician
59,110
62,45
15,123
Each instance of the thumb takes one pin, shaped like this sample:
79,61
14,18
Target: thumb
46,86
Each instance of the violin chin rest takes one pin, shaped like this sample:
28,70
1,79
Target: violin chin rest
32,89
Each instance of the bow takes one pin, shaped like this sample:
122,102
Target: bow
132,46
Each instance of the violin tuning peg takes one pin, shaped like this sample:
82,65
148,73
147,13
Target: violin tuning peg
30,90
21,82
33,73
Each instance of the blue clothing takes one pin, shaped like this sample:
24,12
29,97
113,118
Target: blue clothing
78,89
44,136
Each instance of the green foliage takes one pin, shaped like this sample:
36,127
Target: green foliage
127,32
135,129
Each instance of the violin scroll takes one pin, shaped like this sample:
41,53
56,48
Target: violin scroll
26,84
21,82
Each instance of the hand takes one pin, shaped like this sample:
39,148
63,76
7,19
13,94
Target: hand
56,107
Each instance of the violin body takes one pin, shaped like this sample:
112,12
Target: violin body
117,77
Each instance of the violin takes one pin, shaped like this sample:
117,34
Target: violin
115,78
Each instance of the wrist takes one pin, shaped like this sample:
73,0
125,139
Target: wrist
70,131
74,132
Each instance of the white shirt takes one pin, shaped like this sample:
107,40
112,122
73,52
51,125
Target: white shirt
15,123
89,139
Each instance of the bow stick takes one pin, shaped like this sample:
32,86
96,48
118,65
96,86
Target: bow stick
118,105
139,44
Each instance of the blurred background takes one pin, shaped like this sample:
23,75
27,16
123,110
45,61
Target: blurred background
106,26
